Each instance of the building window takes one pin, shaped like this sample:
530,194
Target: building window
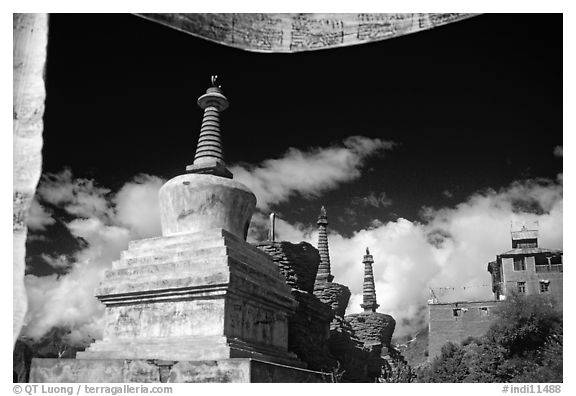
456,312
519,264
544,286
525,244
483,311
521,287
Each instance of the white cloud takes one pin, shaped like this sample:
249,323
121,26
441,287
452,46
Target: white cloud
375,223
79,197
137,206
380,200
107,223
68,300
38,217
58,262
308,173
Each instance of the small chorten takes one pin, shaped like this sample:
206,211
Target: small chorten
368,290
374,329
323,274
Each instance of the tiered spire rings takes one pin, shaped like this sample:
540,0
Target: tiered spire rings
323,274
209,158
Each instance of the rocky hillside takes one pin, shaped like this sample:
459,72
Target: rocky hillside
414,348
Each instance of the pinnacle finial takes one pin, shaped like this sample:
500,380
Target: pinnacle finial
367,251
214,80
322,218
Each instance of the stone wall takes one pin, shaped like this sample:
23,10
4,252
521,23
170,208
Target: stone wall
318,332
238,370
309,327
333,294
308,332
395,368
297,262
373,327
349,351
375,331
352,356
457,321
532,279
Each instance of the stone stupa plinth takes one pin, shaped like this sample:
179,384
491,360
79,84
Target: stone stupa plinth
198,304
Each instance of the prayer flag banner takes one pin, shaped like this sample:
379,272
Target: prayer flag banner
301,32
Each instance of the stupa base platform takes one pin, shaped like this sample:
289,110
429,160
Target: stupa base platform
186,349
234,370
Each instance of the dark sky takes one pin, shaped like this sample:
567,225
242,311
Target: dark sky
472,105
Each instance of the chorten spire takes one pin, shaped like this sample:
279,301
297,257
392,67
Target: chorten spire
206,197
323,274
209,158
369,292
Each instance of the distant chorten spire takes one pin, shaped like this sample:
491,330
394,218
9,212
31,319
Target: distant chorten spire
209,158
323,274
369,292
